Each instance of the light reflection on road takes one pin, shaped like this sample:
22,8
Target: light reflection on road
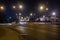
40,32
21,28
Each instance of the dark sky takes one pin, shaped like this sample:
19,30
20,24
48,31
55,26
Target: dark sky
30,5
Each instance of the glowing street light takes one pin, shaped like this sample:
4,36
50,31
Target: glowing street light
14,6
31,14
41,7
2,8
53,13
20,6
53,16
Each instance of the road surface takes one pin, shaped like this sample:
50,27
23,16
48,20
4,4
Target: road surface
37,31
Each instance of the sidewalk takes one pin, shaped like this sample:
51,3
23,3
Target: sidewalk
9,34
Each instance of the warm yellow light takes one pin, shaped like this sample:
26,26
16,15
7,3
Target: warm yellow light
2,8
20,6
41,8
31,14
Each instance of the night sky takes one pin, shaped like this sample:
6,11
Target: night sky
30,6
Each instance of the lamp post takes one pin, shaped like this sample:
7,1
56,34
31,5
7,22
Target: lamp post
54,16
46,11
20,7
2,9
18,10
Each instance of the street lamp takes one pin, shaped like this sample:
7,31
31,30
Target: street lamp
54,16
20,6
41,7
14,7
31,14
53,13
2,8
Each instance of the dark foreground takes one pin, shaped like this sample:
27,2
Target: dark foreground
30,32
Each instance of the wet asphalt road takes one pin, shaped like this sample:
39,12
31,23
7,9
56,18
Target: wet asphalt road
40,32
36,31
